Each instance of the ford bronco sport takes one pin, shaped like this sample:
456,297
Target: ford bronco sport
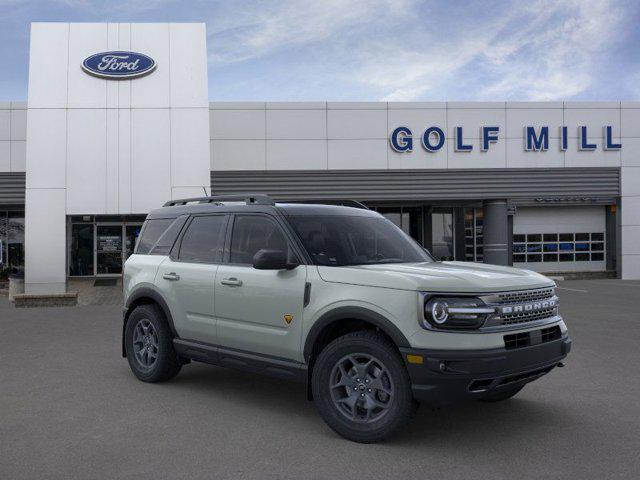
339,298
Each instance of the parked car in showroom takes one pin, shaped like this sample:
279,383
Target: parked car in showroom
337,297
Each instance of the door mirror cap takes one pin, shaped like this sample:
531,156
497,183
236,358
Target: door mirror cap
272,260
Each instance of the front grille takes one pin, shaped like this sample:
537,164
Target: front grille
525,296
517,340
551,333
535,337
541,303
514,318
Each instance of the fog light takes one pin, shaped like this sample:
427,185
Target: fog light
416,359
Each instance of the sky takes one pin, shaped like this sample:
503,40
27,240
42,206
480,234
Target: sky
377,50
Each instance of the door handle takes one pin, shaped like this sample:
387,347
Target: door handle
232,282
173,276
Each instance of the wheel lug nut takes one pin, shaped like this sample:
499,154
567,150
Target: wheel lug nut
362,394
369,389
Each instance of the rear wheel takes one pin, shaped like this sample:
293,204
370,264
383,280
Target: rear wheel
149,345
501,395
361,387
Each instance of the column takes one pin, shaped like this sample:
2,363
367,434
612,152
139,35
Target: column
495,232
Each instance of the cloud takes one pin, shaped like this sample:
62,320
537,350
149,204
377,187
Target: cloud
557,54
261,29
407,50
542,51
398,50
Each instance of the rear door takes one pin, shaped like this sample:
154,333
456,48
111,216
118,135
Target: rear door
259,311
187,277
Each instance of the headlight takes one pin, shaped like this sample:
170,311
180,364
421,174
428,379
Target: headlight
455,313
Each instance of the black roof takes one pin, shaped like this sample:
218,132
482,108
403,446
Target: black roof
257,203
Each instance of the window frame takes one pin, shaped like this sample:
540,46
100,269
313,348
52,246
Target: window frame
593,247
174,254
183,219
145,225
284,228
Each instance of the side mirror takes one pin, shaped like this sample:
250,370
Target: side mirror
272,260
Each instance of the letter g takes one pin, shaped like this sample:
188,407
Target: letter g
401,140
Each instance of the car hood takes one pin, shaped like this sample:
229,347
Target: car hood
462,277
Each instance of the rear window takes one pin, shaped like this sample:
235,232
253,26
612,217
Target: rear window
151,232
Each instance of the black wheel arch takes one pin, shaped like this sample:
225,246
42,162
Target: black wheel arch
349,313
145,296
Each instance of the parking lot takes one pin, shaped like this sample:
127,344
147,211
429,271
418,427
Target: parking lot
70,408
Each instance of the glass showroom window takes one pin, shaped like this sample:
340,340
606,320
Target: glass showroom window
473,229
443,240
11,242
81,249
558,247
409,219
3,245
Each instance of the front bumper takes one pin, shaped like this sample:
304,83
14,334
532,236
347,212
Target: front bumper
449,376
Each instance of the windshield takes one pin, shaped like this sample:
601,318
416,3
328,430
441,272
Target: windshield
339,240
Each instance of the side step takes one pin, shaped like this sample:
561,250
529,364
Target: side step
241,360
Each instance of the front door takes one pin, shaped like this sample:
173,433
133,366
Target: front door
115,242
109,249
259,311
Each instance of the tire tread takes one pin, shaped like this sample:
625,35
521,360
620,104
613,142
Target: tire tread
367,339
167,364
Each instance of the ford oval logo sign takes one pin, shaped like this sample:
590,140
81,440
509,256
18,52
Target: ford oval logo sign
118,65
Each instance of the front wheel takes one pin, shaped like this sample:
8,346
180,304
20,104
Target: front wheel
361,388
149,345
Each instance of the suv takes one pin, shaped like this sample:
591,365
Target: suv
336,297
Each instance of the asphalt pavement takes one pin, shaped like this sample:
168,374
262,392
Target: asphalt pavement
70,408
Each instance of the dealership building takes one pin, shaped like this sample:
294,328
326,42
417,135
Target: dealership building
118,120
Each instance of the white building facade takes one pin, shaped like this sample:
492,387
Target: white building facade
551,186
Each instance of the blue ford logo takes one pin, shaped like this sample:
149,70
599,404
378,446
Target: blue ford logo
118,65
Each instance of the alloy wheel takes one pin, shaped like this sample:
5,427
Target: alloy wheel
145,343
361,387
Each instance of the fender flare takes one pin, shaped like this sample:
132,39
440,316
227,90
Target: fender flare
356,313
146,292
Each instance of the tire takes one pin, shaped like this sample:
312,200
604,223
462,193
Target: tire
160,363
501,395
367,409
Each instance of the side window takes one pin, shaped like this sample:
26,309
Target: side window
252,233
151,233
203,241
168,238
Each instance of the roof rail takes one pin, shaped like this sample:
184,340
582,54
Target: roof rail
354,204
343,203
250,199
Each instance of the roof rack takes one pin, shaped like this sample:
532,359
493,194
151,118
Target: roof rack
250,199
354,204
343,203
